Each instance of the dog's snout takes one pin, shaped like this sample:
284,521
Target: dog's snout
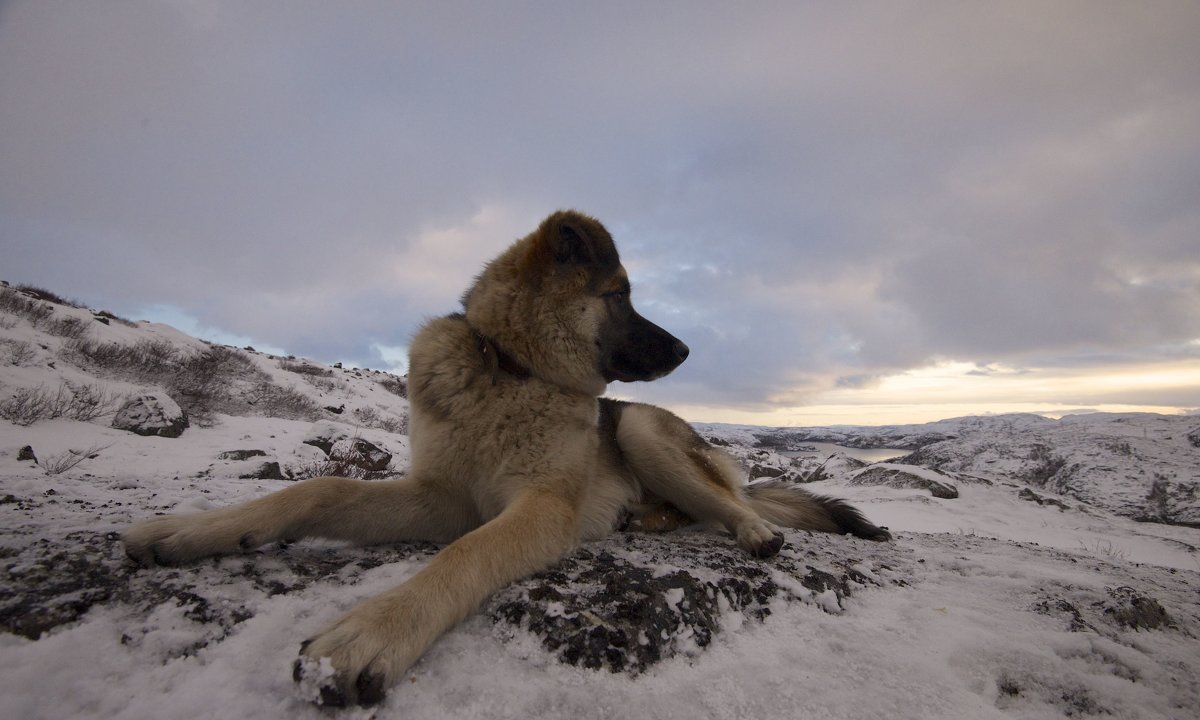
681,351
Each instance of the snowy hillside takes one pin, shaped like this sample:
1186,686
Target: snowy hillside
1018,586
1143,466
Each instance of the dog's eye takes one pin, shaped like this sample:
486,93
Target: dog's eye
617,294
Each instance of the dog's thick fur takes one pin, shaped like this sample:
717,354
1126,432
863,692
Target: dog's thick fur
515,459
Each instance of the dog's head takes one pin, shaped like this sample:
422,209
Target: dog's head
559,302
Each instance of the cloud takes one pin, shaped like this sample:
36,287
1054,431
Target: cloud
813,197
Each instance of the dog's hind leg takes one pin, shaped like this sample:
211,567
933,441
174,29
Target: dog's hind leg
329,507
373,644
671,461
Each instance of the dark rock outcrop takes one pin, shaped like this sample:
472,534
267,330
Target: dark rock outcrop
361,453
263,471
613,605
241,454
324,434
151,414
1030,495
893,476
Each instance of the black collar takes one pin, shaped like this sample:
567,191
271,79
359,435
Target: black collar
498,359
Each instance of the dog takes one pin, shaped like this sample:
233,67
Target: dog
516,459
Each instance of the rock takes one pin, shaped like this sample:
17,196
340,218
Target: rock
264,471
323,434
768,464
241,454
1119,608
360,453
335,441
336,410
1131,609
151,414
937,483
26,453
632,600
765,471
1194,437
836,465
1030,495
941,490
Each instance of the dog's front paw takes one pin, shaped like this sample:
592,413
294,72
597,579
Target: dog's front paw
174,539
355,661
760,538
156,541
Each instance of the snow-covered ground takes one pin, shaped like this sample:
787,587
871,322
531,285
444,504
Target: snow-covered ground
1018,598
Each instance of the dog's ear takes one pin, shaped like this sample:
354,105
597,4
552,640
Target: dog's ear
571,242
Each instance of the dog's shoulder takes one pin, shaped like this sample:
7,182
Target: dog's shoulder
444,360
442,340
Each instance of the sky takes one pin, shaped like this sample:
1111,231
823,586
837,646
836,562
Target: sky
853,213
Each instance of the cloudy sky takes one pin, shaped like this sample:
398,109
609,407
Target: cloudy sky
852,212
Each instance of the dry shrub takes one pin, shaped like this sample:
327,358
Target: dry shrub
218,379
43,294
324,384
58,464
27,406
372,418
146,360
71,328
18,352
16,303
282,402
395,385
303,368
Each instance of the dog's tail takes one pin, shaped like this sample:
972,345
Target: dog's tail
789,506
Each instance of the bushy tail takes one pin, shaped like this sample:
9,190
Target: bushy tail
789,506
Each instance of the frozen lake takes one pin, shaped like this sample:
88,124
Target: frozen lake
871,455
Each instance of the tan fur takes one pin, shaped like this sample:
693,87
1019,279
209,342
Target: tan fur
511,468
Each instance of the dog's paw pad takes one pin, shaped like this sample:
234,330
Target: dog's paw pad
770,548
370,688
761,539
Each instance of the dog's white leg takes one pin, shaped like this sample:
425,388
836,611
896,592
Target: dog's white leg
330,507
699,480
697,483
372,645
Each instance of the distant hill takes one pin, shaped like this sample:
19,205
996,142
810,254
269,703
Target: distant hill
1140,465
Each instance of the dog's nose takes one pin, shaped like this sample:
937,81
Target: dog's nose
681,351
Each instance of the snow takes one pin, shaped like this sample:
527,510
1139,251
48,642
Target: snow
984,606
